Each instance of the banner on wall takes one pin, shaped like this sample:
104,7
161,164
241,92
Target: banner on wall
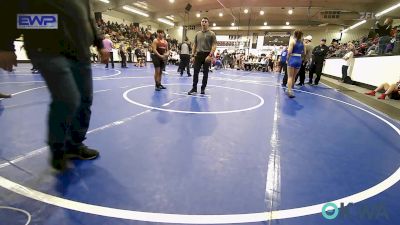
276,38
254,41
236,44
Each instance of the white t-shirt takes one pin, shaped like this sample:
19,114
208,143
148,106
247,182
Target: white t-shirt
350,58
185,49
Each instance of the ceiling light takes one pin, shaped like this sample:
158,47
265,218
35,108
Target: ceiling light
290,11
134,10
232,24
142,5
261,12
355,25
387,10
198,15
105,1
221,14
166,21
170,17
171,1
214,24
265,23
287,23
246,11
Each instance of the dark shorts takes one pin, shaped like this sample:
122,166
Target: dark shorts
157,61
395,95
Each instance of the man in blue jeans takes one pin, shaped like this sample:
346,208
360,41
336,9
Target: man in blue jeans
60,50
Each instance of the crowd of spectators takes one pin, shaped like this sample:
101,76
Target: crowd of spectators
381,40
131,40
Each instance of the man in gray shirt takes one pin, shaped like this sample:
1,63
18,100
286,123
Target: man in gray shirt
205,44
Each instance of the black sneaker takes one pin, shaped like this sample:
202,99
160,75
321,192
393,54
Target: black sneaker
193,91
202,92
59,161
162,87
158,88
189,75
82,152
4,95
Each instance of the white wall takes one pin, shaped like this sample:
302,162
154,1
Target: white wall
176,32
368,70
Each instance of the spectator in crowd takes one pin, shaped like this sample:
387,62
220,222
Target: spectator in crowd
108,45
396,47
185,49
270,64
140,55
391,90
349,61
384,34
173,56
122,53
218,54
94,54
333,48
129,51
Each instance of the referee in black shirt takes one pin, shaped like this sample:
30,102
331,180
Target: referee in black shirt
318,57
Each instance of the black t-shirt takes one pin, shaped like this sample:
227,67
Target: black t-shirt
320,52
383,30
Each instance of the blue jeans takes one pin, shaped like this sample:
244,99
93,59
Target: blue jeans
71,88
383,42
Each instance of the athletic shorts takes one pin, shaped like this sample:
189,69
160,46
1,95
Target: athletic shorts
157,61
295,62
